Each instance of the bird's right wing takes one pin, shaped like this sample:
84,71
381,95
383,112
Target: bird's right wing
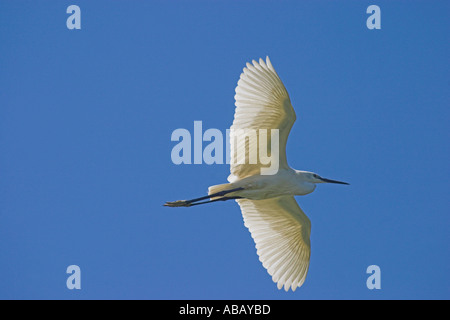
281,231
262,102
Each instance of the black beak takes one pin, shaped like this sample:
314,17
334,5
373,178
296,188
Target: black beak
333,181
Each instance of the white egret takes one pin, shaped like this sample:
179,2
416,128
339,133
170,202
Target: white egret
280,229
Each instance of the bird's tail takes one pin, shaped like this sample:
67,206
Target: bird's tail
219,188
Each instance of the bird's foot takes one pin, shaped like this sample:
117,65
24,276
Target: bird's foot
178,203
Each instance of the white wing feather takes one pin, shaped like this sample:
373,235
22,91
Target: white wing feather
281,231
262,102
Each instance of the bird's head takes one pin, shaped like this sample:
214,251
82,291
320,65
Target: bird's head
315,178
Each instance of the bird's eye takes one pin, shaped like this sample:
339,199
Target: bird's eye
315,176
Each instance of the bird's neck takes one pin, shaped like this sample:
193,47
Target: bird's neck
303,183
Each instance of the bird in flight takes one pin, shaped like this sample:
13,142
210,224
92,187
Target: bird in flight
279,227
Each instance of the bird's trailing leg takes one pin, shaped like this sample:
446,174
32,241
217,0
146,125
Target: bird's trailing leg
209,201
194,202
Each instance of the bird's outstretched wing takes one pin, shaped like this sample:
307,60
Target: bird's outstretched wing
281,231
262,102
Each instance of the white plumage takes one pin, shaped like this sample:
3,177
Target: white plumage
279,227
262,102
281,232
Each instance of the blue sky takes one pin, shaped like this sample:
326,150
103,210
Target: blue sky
86,118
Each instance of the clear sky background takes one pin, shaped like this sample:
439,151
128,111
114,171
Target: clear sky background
86,118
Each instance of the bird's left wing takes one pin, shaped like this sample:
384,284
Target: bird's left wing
281,231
